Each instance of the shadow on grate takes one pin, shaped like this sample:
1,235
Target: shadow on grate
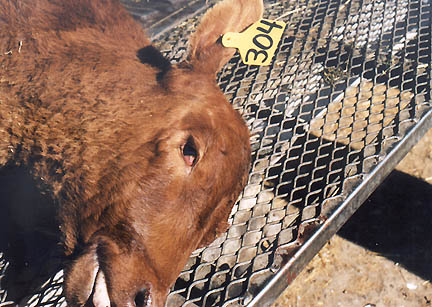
30,236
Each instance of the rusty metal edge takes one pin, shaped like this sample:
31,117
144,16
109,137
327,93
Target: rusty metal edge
311,247
171,21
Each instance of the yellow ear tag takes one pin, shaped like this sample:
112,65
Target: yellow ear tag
257,44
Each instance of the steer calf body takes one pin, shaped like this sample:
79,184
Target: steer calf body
144,160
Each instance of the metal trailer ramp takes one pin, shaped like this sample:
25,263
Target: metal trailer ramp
346,97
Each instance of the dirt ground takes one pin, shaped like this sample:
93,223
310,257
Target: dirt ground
383,255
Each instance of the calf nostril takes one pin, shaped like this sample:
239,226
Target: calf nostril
142,298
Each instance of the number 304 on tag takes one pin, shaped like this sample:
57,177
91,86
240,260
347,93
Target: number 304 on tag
258,43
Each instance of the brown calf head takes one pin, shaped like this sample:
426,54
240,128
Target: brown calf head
184,169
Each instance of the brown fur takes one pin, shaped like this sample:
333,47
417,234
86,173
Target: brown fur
105,132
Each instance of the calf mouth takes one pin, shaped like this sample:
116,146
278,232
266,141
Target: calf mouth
100,297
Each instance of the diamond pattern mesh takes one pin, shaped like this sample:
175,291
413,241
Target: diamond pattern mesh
348,82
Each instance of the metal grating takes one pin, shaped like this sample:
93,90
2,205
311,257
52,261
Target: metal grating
347,95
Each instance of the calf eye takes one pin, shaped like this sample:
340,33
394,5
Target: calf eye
189,152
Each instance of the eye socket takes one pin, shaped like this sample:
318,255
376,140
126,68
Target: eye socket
189,152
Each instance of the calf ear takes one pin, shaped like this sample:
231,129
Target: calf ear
206,53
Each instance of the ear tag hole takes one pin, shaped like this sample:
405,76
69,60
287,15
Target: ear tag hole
258,43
